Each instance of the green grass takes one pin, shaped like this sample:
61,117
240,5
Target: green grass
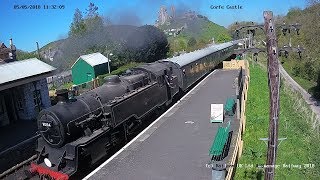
302,145
68,85
219,33
201,29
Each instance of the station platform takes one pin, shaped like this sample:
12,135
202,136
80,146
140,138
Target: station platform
176,145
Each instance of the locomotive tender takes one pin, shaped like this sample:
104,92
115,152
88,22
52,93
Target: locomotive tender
85,128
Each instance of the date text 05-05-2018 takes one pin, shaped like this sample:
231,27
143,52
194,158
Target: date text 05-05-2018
35,6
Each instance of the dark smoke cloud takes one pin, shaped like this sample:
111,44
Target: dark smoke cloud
124,17
181,6
129,19
136,15
147,11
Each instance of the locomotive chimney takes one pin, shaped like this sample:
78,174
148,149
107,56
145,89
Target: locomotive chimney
11,42
62,95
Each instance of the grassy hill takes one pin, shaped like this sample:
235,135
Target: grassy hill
197,32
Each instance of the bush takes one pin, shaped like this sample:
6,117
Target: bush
296,70
192,41
310,70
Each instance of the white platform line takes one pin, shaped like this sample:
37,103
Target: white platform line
134,139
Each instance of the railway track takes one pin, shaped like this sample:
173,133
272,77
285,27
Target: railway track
15,158
17,171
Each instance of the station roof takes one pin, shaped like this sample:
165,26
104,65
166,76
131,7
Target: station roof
24,71
93,59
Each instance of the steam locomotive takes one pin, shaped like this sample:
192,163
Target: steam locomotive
83,129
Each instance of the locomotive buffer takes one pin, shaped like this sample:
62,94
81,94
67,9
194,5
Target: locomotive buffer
175,146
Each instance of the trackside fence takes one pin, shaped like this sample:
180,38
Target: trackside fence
242,82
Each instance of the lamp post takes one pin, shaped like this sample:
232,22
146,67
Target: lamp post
109,61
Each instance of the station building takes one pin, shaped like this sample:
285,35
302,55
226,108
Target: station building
23,86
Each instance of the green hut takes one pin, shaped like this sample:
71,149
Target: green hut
88,67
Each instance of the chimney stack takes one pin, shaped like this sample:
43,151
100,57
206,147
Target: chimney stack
38,50
13,55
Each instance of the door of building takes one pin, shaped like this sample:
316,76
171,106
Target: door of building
9,103
4,120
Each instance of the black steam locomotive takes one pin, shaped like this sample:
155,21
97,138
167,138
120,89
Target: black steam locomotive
83,129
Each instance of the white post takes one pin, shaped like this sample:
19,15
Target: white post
108,63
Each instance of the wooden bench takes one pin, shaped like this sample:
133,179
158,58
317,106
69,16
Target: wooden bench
229,107
220,140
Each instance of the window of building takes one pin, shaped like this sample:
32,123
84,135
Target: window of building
19,99
20,104
37,98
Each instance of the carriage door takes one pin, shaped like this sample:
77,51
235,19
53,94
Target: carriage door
167,82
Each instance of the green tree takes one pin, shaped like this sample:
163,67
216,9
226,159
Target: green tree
77,26
296,70
92,11
310,70
21,55
192,41
93,22
223,38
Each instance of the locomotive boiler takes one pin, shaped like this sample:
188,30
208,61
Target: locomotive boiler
69,120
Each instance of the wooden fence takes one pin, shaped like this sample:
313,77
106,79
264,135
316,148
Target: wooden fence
242,94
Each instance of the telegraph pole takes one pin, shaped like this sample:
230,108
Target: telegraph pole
274,95
273,52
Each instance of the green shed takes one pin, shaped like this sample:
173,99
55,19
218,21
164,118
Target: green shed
88,67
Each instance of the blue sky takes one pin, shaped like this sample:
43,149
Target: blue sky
28,26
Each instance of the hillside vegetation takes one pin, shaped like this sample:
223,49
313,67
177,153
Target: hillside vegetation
304,70
198,31
298,155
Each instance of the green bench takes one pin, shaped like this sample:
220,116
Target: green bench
229,107
220,140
